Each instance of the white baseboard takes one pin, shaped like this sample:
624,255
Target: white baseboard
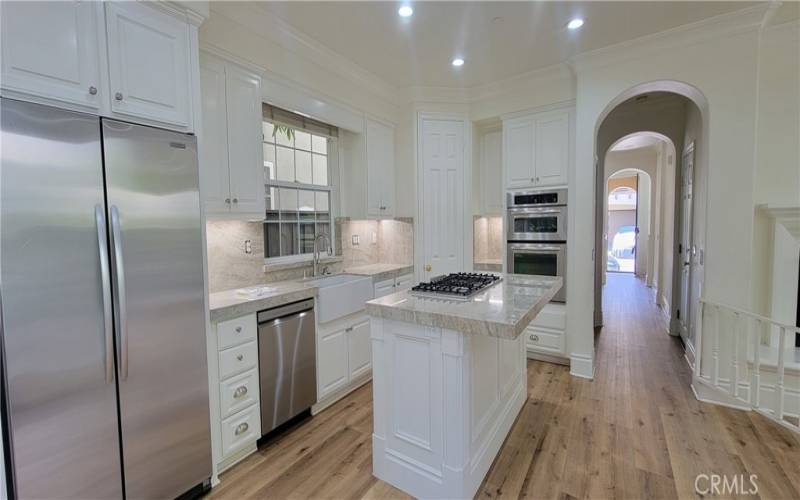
581,366
548,358
339,394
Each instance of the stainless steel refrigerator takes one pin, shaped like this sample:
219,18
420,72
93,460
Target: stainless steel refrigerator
103,325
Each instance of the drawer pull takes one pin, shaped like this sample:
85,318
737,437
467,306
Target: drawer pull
241,428
238,329
240,357
535,338
349,329
240,391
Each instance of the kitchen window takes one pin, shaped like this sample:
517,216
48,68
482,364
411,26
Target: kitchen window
299,161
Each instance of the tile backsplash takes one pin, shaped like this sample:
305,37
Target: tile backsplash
229,266
488,240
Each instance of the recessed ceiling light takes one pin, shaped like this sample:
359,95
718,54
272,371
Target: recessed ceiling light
405,11
575,23
458,62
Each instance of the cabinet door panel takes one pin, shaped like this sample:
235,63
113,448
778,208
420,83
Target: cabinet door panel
52,50
491,174
552,149
148,58
380,168
245,150
214,179
359,349
519,138
332,359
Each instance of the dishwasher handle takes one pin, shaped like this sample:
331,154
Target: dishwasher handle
287,310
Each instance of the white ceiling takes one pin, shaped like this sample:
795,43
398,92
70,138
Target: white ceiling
498,40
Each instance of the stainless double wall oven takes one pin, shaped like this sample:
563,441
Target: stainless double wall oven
536,234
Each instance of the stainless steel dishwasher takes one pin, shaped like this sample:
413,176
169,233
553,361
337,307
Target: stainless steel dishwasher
287,362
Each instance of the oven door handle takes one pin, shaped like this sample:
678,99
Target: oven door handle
537,248
554,210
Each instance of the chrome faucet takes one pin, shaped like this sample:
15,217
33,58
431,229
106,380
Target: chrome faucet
316,249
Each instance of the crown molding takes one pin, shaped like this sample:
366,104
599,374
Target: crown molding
267,25
731,23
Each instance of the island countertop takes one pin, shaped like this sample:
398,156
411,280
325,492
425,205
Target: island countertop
503,310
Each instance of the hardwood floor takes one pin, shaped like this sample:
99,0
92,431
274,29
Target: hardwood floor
636,431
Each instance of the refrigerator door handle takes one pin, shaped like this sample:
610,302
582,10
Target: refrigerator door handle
122,316
105,278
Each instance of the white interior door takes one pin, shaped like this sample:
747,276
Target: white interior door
443,196
687,202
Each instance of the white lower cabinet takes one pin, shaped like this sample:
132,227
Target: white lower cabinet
545,334
344,357
233,390
359,352
332,361
241,430
393,285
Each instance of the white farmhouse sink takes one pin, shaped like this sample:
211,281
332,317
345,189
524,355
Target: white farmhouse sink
341,294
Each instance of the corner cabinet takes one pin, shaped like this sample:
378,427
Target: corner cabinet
129,60
231,150
537,149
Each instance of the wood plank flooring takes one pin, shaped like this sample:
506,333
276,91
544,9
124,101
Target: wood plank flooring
635,432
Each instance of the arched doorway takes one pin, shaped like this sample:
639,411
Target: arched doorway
668,112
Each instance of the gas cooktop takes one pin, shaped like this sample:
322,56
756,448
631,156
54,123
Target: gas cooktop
455,286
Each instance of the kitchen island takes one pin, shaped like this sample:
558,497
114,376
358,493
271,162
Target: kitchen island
449,378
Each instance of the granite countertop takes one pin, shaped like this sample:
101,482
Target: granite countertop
380,271
504,310
228,304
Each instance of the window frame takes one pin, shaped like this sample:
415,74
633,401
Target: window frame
332,188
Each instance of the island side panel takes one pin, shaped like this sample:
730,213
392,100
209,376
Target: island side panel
443,403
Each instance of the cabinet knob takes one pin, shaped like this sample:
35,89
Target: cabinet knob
349,329
240,357
93,90
535,338
241,428
118,96
240,391
537,179
227,200
236,200
427,268
238,329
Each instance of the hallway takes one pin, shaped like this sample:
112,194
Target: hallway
636,431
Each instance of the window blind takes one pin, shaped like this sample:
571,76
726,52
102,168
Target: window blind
297,121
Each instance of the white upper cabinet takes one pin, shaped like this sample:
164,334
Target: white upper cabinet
214,177
552,149
51,51
380,168
127,60
245,141
231,152
149,66
518,153
536,149
491,173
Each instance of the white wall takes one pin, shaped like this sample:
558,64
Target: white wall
723,69
776,179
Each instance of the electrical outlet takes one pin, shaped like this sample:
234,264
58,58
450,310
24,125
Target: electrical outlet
355,240
248,247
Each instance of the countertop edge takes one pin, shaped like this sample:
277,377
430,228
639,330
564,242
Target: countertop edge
465,325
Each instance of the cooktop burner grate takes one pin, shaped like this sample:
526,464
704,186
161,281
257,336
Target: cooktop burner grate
458,286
